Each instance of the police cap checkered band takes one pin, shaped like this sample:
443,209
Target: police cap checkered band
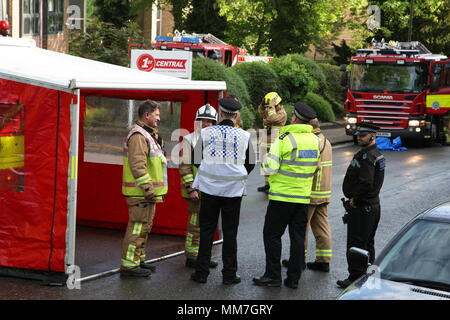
304,112
229,105
365,128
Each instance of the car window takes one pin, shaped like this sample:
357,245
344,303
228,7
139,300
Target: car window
421,253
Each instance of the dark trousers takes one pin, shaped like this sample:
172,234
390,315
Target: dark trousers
361,228
280,215
210,209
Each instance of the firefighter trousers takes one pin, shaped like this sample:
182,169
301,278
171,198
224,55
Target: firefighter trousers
140,221
318,220
193,230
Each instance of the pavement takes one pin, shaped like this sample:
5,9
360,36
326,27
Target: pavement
335,132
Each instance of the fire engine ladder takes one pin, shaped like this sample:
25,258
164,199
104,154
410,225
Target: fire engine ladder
210,38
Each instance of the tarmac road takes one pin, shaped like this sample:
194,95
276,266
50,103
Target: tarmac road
415,180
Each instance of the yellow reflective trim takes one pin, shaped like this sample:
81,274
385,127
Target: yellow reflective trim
438,101
137,228
130,252
74,168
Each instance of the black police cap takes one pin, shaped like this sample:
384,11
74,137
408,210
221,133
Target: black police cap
304,112
365,128
229,105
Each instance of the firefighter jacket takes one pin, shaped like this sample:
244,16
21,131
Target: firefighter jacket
273,117
291,163
365,176
321,187
187,169
225,160
144,165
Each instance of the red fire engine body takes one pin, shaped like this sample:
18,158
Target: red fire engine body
402,88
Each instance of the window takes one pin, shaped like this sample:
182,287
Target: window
55,14
4,9
30,17
11,147
107,124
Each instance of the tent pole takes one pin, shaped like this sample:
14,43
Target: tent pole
73,180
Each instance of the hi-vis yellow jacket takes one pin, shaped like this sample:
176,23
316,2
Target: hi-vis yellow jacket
144,165
291,164
321,188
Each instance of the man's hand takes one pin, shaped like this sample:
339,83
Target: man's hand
149,192
194,195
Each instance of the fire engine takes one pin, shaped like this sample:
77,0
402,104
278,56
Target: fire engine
206,46
401,87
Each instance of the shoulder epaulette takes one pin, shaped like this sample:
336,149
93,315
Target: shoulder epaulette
283,135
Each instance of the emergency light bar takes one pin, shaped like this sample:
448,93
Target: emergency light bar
388,51
178,39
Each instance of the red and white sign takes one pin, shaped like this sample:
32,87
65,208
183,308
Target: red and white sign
172,63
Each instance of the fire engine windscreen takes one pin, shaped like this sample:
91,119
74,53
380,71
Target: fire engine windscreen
391,78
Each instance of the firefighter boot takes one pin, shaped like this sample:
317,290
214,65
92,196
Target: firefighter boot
319,266
135,272
148,266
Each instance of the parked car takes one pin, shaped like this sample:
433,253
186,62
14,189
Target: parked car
415,264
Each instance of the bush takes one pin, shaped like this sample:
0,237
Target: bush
289,108
313,69
333,92
295,81
259,79
210,70
247,117
322,107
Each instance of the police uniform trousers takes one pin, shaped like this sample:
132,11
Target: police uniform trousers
193,230
279,215
140,221
318,220
361,228
210,209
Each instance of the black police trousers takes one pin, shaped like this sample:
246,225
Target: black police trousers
280,215
210,209
361,228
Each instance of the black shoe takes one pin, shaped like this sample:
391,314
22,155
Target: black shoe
290,283
319,266
264,188
136,272
197,278
190,263
344,283
267,282
285,264
148,266
234,280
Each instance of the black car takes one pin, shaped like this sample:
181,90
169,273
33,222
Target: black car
415,264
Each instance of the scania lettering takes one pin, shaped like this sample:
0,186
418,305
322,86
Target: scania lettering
401,87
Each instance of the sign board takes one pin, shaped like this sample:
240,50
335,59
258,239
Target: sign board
171,63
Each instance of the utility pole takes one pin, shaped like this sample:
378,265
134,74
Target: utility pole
411,13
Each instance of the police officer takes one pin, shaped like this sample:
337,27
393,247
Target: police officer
362,184
291,162
144,184
274,117
205,116
227,159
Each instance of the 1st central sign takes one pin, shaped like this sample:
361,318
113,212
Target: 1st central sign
172,63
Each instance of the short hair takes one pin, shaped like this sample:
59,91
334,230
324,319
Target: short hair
315,123
227,115
148,106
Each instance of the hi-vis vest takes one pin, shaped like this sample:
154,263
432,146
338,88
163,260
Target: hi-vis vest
191,139
291,163
156,168
222,171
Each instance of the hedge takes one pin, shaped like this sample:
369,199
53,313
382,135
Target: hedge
322,107
333,92
313,69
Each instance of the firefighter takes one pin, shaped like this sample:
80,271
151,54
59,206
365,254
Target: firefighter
318,208
362,184
144,184
274,117
221,178
205,116
292,160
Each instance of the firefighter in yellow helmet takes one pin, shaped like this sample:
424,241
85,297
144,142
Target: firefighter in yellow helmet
274,117
205,116
144,184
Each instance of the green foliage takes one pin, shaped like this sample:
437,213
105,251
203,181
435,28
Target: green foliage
312,68
204,18
259,79
322,107
247,117
95,116
295,81
333,92
104,42
289,108
208,69
116,12
343,53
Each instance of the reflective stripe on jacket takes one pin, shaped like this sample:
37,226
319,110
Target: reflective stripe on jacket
291,164
156,166
321,188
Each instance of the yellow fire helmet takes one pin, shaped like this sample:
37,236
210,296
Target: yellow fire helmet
269,97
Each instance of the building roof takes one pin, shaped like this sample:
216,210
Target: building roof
22,61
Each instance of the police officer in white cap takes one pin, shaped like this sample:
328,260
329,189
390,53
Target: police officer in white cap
226,160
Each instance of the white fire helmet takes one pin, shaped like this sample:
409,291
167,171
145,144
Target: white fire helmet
206,112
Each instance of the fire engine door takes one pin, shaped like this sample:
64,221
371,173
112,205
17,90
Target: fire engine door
438,100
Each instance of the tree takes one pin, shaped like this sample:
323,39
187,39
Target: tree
117,12
204,18
343,53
